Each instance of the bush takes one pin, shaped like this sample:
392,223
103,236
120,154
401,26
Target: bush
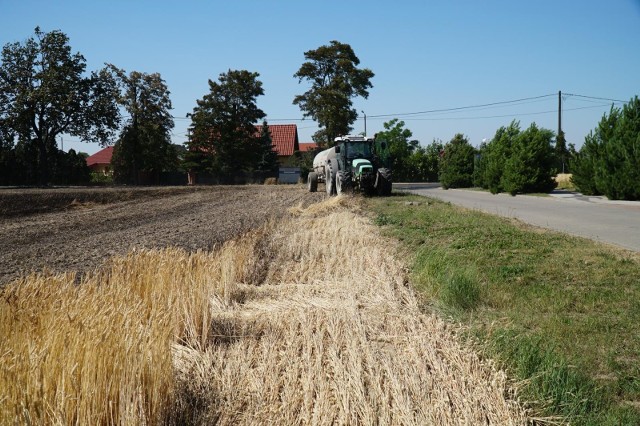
530,166
456,164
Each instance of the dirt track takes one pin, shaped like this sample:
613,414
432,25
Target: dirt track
77,229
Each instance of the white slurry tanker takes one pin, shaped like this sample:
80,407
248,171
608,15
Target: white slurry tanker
353,163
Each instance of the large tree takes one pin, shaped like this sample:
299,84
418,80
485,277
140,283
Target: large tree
44,92
400,148
145,141
335,80
223,133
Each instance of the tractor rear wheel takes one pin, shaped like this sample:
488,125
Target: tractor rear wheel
312,181
383,182
343,182
330,183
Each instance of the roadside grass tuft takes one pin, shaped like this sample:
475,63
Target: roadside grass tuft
561,313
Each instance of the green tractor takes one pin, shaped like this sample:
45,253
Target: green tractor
354,163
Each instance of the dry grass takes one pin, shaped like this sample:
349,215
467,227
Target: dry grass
564,181
271,181
309,322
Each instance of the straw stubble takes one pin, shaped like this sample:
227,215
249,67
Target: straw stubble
334,335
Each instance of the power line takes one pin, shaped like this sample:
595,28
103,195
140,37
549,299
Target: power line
505,115
462,108
596,98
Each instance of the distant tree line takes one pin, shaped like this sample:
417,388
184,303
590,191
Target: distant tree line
45,92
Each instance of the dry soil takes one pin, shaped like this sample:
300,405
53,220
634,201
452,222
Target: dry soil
78,229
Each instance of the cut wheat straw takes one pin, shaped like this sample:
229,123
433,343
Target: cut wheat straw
334,336
307,322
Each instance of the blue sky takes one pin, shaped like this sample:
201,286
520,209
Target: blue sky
426,55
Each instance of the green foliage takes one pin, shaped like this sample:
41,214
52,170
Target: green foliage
456,164
400,148
515,161
583,166
609,160
223,132
335,79
266,159
423,164
100,179
529,169
493,157
144,147
561,153
44,93
71,168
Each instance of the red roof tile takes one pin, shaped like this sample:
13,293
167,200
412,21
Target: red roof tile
101,157
307,146
284,138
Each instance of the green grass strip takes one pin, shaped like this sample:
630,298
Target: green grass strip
560,313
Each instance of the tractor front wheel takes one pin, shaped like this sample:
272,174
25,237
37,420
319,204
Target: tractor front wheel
383,182
343,182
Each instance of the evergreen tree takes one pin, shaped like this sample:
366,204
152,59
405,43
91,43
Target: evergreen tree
494,157
561,153
266,158
530,166
223,125
424,162
617,172
456,163
583,166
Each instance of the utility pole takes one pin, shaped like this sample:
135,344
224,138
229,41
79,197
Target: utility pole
365,123
559,111
61,144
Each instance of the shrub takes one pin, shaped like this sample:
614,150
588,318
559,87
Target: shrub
530,166
456,164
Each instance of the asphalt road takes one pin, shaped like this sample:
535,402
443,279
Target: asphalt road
613,222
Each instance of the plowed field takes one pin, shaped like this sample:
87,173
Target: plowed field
78,229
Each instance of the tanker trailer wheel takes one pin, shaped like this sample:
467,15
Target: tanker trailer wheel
343,182
312,181
330,183
383,182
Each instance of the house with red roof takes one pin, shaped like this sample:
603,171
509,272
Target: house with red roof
284,138
100,162
308,146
